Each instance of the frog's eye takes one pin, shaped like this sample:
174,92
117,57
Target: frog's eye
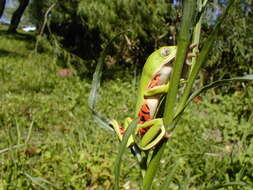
165,52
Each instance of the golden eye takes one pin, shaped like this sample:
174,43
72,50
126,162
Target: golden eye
165,52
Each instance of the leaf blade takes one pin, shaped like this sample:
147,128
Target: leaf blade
101,120
123,146
213,85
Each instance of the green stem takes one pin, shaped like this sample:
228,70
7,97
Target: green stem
196,39
201,59
184,40
197,31
153,165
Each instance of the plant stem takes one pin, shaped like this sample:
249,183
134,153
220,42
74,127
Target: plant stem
154,164
196,39
197,30
184,40
201,59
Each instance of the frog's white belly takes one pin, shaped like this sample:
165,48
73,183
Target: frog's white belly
165,74
152,104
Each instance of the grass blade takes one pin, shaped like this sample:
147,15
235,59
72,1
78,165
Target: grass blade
29,132
184,41
215,187
98,72
130,130
155,160
99,119
213,85
18,132
36,182
10,148
171,174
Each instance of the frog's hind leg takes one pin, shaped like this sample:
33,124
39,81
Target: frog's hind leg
155,132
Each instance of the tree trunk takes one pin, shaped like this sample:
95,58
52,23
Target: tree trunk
17,15
2,6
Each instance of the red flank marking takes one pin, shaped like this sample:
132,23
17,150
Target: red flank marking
144,113
154,82
143,131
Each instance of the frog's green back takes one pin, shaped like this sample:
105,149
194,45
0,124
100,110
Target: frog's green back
152,65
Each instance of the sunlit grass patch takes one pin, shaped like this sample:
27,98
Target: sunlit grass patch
47,137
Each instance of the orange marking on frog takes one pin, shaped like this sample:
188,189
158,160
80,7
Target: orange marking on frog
121,130
144,113
154,82
143,131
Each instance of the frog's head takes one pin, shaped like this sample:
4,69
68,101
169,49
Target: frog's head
168,53
167,50
162,56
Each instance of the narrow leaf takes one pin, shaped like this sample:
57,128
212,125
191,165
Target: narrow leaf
156,157
123,146
10,148
98,72
36,182
215,187
184,40
99,119
213,85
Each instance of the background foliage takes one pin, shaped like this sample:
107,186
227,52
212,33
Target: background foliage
233,53
85,26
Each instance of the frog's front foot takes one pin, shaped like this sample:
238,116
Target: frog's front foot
120,130
192,53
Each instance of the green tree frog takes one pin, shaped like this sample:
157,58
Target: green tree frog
154,82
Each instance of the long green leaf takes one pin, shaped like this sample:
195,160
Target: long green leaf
189,11
184,40
197,29
201,59
213,85
123,146
155,160
36,181
10,148
99,119
154,165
